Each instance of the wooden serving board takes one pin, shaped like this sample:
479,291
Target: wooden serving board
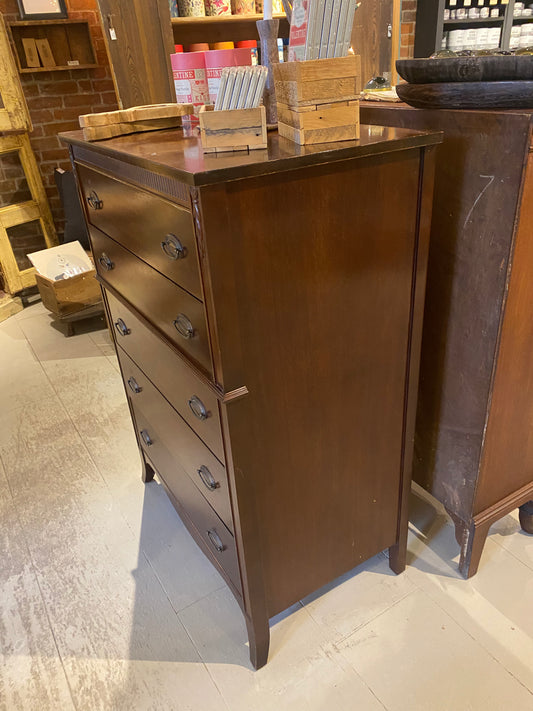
469,95
466,69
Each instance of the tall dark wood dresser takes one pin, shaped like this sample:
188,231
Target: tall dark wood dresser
267,311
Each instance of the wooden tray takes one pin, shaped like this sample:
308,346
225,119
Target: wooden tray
466,69
468,95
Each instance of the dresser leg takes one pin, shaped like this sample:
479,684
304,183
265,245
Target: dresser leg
147,471
525,513
473,539
398,558
259,640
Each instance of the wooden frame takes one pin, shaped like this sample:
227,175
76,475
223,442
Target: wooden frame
11,215
14,115
30,10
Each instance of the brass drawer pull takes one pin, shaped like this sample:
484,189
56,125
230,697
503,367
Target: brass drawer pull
121,327
134,385
215,540
198,408
208,479
94,201
105,262
146,438
173,248
183,326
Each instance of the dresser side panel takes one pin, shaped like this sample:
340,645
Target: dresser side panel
311,277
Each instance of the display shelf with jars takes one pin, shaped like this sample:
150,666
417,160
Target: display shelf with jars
472,25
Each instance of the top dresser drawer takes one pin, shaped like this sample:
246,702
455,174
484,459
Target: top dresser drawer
155,230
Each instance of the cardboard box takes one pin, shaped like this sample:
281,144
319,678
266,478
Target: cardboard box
66,296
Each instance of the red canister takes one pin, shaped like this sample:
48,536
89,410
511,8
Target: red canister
190,79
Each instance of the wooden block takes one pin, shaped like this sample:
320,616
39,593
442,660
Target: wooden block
238,129
317,92
319,135
318,69
106,118
155,124
30,50
155,111
323,116
100,133
45,53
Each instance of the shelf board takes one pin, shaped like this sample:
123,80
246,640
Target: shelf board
486,21
520,20
40,23
188,21
224,28
31,70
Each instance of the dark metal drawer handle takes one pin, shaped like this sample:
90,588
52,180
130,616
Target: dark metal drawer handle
173,248
198,408
94,201
146,438
183,326
215,540
105,262
121,327
134,385
208,479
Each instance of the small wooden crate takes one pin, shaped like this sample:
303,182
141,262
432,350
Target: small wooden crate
67,296
235,130
318,100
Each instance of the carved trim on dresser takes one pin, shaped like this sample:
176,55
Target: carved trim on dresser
160,184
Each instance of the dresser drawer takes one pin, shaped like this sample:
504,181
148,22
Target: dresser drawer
172,310
169,430
194,401
155,230
158,439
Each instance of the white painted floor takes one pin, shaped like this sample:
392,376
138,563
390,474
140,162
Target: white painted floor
106,603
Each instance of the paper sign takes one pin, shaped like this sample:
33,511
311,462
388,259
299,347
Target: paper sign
61,262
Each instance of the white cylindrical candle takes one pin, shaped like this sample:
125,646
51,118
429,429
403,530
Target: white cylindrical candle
267,9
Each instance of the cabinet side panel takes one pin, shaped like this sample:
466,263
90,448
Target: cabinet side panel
508,454
311,275
479,174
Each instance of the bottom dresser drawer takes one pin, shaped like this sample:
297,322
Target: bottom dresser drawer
156,425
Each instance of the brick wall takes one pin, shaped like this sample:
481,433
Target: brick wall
56,99
408,20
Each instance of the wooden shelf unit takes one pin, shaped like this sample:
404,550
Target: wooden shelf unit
70,40
225,28
430,25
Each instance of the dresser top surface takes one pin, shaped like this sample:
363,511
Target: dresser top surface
170,153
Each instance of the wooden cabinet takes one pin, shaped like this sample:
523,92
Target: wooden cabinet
271,361
473,448
69,41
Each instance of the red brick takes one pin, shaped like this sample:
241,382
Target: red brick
42,115
108,97
78,100
54,155
58,88
44,102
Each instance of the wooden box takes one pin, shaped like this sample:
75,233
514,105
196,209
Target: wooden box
67,296
236,130
318,100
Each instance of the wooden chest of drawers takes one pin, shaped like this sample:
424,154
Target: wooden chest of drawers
267,314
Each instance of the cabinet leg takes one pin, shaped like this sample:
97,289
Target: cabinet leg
147,471
472,539
259,640
525,513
